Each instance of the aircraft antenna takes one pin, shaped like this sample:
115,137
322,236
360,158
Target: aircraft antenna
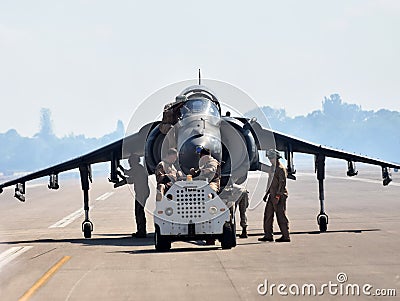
199,77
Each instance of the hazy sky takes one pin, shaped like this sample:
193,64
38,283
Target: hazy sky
93,62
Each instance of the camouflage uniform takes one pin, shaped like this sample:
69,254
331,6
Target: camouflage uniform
277,186
170,117
241,197
210,169
166,175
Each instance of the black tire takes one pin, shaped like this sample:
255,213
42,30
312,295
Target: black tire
87,230
233,234
323,224
161,243
228,239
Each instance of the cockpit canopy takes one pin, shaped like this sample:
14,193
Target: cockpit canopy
201,92
199,106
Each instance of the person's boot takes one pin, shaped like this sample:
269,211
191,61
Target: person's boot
244,233
210,242
265,238
139,234
283,239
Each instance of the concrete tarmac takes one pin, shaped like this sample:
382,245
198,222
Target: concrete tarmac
43,255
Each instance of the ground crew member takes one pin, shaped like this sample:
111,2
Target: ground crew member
241,197
209,168
166,173
137,175
171,114
276,196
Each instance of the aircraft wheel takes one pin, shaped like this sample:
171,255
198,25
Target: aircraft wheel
228,239
323,222
161,243
87,230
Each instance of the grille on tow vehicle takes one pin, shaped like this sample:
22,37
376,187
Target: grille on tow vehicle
190,203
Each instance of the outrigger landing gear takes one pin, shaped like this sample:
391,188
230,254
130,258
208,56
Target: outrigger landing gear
86,176
322,217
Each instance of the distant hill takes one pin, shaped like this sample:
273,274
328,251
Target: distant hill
21,154
343,126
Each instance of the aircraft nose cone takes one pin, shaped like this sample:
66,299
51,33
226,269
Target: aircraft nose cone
189,158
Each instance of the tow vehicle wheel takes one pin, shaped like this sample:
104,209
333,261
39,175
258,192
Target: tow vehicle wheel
87,230
323,222
233,225
160,242
228,239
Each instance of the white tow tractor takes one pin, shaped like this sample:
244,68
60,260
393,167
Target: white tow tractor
191,210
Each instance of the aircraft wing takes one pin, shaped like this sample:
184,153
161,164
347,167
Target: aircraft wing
113,152
290,144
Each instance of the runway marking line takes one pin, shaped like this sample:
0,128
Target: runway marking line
68,219
11,254
105,196
27,186
260,175
44,278
78,213
351,179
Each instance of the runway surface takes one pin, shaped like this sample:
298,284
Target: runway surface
43,255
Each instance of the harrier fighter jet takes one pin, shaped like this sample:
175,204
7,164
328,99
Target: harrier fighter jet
197,121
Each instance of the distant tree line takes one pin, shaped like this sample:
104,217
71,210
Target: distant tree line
20,154
338,124
343,126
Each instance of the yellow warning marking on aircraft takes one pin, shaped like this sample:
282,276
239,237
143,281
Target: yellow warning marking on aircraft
44,278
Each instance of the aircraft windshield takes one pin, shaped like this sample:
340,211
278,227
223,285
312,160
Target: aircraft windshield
199,106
